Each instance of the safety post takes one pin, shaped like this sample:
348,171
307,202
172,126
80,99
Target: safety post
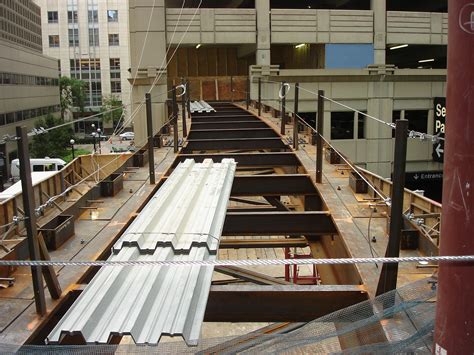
295,119
389,273
231,89
283,107
259,96
175,120
188,97
183,107
319,138
247,94
454,329
149,126
30,218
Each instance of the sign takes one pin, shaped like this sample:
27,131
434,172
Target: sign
439,128
431,182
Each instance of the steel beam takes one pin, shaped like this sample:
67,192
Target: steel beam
250,276
232,133
279,303
277,185
299,242
278,223
231,124
245,159
242,143
219,118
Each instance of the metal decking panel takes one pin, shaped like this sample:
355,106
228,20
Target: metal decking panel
183,221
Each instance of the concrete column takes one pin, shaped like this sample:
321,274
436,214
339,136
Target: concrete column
153,61
379,7
263,32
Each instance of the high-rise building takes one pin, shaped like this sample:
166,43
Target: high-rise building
29,84
91,40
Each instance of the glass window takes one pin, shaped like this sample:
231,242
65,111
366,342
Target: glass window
396,115
73,37
93,16
112,15
342,125
113,39
417,120
114,63
72,16
93,37
10,118
116,86
361,119
54,41
2,119
38,167
52,17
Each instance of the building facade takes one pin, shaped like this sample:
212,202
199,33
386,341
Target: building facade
29,82
383,57
91,40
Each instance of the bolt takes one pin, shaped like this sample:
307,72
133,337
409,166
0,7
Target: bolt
374,239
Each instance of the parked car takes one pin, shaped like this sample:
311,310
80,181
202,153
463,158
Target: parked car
127,136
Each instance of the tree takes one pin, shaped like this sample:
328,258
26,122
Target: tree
112,103
73,94
54,143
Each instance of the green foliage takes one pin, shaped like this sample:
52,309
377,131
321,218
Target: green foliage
112,103
73,94
68,157
53,144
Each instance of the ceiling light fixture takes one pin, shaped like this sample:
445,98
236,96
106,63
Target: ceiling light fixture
198,45
426,60
300,45
398,47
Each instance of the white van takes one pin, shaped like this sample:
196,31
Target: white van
46,164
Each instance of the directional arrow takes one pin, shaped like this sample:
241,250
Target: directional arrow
439,150
416,177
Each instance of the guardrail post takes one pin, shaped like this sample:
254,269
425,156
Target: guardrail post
247,94
388,276
295,120
175,121
149,126
259,96
319,139
283,108
183,108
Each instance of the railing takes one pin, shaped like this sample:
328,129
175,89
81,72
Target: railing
211,26
423,213
322,26
417,27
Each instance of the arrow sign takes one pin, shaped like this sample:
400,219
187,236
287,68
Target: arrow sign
439,128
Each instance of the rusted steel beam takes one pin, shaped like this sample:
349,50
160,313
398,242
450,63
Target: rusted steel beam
251,276
234,124
289,184
232,133
228,118
279,303
219,144
278,223
299,242
245,159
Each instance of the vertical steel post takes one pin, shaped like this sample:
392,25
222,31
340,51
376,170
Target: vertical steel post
259,96
247,94
175,121
295,120
30,222
188,97
183,109
454,330
149,126
389,273
319,139
283,108
231,88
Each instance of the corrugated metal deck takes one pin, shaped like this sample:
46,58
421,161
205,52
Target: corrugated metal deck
183,221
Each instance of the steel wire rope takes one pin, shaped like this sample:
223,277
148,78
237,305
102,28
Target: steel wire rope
242,262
